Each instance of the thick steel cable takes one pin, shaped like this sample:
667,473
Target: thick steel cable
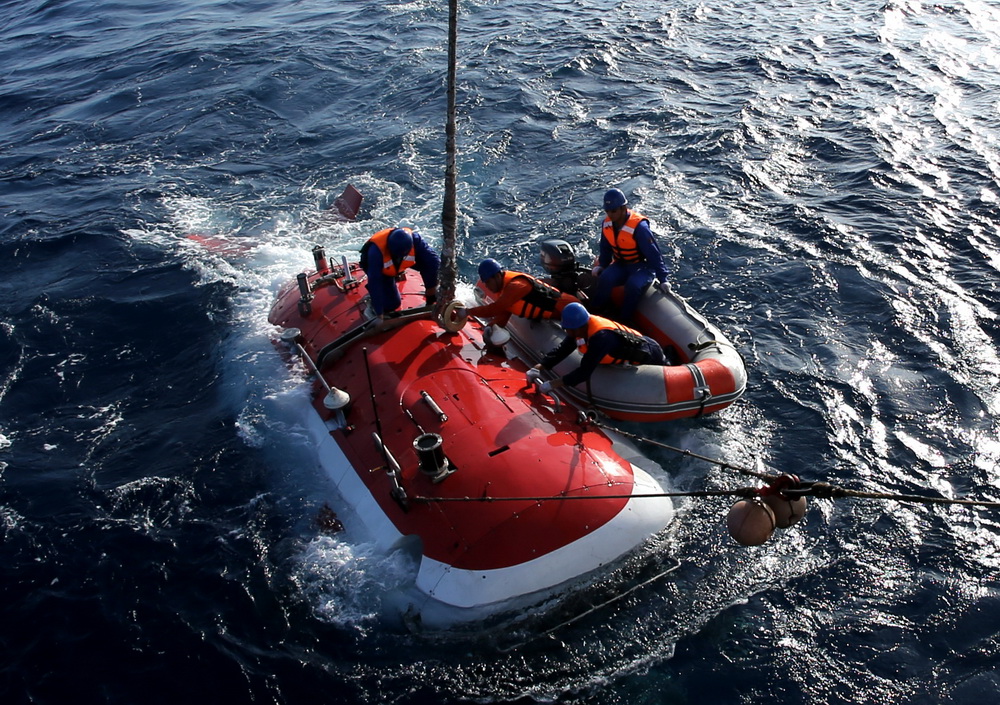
449,209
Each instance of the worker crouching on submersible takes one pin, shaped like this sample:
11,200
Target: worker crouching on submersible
389,253
518,294
602,341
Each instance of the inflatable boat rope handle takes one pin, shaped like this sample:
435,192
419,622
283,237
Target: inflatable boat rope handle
698,347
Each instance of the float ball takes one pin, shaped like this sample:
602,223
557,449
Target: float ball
786,511
750,522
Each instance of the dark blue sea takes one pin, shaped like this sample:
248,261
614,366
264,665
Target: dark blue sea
825,177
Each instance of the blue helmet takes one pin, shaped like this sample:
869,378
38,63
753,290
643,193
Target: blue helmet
488,269
575,316
400,243
614,199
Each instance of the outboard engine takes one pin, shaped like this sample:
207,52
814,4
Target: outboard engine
559,261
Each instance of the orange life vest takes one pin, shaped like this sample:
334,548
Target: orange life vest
635,350
541,302
381,240
623,242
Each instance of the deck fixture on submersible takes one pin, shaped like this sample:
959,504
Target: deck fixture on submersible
335,399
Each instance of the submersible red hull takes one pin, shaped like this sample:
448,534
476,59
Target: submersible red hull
440,447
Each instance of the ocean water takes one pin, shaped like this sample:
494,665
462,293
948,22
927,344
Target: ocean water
826,181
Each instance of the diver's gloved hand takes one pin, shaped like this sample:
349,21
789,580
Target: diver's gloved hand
545,387
533,376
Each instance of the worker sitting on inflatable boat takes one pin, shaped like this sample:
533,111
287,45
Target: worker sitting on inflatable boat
628,255
386,255
601,341
519,294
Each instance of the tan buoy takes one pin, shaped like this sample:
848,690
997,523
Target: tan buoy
786,511
450,320
750,522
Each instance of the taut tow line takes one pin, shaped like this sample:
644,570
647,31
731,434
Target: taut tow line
593,608
688,453
796,488
758,511
740,492
821,490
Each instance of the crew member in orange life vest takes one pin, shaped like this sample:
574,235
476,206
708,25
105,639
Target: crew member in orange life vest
628,255
519,294
601,341
387,254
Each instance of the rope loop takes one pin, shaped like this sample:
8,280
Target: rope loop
790,487
780,486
